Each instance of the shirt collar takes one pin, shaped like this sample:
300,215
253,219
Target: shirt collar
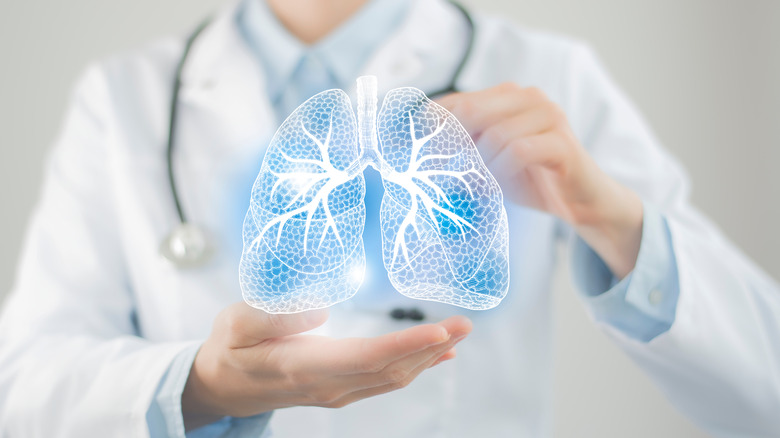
344,51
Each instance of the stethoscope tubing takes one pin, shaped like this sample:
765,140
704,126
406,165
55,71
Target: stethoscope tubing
173,117
183,222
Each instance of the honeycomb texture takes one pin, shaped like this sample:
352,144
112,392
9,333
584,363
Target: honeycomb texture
303,245
444,226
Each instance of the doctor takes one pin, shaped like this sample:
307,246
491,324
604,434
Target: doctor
103,337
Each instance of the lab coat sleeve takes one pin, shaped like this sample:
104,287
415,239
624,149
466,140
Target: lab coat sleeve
719,361
642,305
72,361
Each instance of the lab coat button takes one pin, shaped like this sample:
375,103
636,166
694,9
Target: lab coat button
415,315
654,297
412,314
398,314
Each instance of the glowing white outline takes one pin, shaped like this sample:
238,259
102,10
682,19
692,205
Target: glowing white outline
302,181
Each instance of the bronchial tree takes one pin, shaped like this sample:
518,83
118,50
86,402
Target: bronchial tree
414,180
313,172
443,223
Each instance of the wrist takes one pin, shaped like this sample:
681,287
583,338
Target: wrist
195,407
613,227
217,388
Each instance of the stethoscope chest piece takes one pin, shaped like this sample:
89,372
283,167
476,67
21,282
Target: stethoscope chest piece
187,246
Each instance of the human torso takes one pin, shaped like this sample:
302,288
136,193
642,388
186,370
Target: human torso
500,383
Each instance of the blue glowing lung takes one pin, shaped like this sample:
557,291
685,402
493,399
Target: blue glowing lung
303,245
444,227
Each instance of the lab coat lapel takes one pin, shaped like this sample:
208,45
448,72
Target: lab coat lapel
224,126
224,77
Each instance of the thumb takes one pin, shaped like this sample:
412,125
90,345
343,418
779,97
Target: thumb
244,326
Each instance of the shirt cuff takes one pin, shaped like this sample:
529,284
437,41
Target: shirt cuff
164,415
643,304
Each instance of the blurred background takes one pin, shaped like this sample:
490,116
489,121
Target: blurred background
704,72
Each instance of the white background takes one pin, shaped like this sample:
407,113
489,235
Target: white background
705,72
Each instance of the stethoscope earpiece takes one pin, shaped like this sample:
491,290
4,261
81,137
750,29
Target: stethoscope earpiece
187,246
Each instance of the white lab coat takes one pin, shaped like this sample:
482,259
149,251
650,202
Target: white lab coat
96,315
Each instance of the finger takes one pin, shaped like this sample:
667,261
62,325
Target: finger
359,356
546,149
394,372
322,386
479,109
396,384
244,326
535,121
449,355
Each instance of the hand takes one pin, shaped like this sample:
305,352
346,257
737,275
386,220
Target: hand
526,142
255,362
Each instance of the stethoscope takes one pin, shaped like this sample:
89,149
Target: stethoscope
188,245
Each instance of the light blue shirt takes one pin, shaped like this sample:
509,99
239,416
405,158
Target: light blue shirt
642,305
295,71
